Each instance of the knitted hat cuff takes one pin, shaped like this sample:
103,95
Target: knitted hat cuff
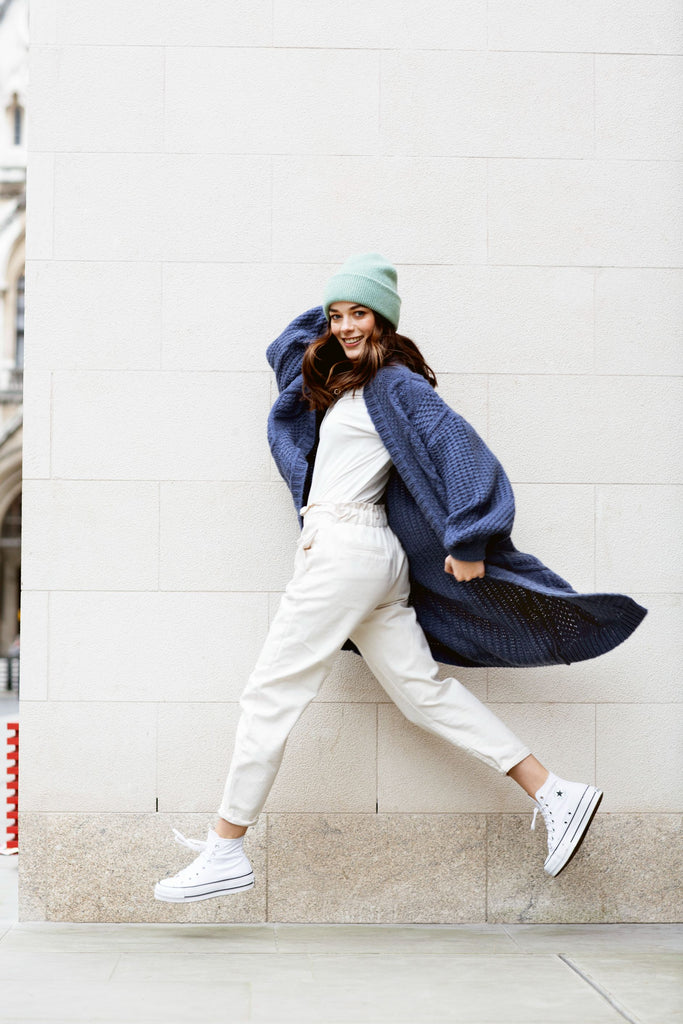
366,291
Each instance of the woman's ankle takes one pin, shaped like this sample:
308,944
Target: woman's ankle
530,774
226,829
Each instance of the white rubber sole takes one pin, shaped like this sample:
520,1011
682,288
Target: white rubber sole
190,894
575,832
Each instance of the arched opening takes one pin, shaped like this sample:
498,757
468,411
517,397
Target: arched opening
10,590
19,324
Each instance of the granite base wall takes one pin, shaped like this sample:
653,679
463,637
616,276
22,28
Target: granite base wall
356,868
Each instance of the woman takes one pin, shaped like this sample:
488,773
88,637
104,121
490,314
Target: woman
399,500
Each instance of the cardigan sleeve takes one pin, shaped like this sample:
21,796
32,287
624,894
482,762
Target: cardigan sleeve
286,352
480,504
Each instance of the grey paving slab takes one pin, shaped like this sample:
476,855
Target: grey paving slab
8,886
169,1002
340,938
339,974
206,968
190,938
649,987
504,989
597,938
22,967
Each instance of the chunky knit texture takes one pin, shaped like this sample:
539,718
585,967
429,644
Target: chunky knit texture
448,493
368,279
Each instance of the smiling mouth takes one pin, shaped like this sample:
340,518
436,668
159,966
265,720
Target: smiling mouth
352,341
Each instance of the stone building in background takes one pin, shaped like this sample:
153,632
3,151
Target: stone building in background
13,83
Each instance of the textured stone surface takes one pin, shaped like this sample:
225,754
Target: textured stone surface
638,756
223,113
79,79
34,437
34,634
310,192
487,104
628,869
357,868
224,223
103,867
530,414
376,867
40,176
633,303
431,25
597,25
535,205
118,324
220,535
91,757
198,647
239,23
232,293
633,117
74,533
625,552
148,414
471,319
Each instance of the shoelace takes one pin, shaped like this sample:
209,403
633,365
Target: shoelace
192,844
547,818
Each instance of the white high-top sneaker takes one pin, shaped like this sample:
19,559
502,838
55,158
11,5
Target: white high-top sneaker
568,809
220,869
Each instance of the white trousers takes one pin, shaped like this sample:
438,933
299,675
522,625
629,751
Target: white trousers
350,580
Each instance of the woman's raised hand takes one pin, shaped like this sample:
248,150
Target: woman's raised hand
464,571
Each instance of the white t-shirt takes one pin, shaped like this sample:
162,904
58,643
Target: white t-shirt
351,463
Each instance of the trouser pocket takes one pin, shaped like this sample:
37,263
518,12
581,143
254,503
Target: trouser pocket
308,535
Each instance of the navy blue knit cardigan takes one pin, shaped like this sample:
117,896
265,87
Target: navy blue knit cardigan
447,492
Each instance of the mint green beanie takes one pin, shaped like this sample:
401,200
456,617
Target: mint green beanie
369,280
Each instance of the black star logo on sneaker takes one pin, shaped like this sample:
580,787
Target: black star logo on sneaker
559,793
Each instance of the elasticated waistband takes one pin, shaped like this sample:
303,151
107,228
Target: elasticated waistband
366,513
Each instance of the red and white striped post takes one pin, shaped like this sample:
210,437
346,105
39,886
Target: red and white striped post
12,844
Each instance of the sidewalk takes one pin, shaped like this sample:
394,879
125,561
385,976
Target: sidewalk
53,973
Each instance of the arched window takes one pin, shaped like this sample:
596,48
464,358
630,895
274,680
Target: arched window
18,124
10,579
10,529
15,112
19,325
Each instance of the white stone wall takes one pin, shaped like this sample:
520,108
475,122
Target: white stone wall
195,173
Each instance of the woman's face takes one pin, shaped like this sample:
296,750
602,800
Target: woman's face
351,325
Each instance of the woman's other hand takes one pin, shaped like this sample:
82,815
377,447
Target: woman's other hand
464,571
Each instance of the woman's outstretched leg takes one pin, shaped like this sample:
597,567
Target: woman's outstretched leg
331,591
396,650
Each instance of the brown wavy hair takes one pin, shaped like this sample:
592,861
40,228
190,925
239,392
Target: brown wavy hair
328,373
